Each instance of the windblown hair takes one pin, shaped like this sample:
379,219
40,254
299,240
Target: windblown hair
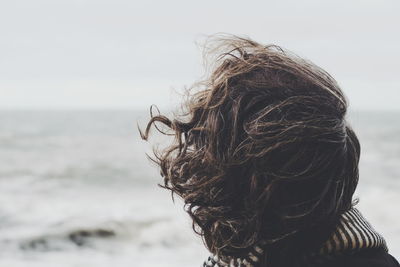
262,151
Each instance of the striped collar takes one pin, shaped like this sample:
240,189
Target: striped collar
352,233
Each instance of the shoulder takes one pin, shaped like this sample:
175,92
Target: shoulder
364,258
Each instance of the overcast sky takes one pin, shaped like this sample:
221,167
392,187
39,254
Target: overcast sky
130,54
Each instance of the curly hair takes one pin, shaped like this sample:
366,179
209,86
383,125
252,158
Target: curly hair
262,150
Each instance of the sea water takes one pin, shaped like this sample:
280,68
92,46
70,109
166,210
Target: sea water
76,189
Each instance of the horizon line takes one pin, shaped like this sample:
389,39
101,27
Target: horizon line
169,108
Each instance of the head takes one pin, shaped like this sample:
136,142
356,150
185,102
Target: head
262,150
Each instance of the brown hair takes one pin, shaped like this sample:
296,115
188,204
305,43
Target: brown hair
262,151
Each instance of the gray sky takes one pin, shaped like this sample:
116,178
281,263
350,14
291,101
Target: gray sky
130,54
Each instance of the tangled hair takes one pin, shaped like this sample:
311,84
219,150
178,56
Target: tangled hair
262,151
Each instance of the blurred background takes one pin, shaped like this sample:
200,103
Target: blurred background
77,76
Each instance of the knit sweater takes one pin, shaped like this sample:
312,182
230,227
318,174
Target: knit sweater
352,234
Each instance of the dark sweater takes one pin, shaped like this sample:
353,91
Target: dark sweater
364,258
353,242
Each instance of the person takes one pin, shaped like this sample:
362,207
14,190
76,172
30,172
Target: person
267,164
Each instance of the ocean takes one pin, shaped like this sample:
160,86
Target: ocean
76,189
